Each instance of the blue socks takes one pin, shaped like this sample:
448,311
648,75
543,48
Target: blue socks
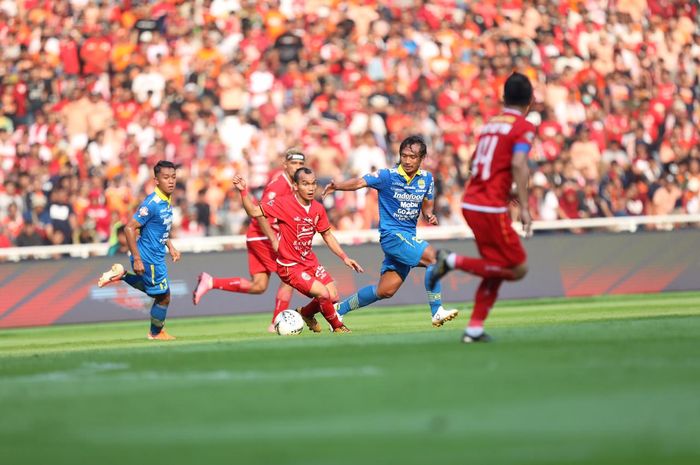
157,318
365,296
368,295
134,281
434,294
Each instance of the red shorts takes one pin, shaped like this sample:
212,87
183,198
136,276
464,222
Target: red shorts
302,276
261,257
495,238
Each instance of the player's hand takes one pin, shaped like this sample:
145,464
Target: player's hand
139,269
526,219
329,189
175,254
353,264
239,183
431,219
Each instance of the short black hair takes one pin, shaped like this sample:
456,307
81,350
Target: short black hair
299,172
163,164
414,140
517,90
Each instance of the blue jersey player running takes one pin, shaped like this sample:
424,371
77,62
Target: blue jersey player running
154,218
404,192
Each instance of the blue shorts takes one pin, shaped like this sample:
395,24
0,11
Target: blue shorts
401,252
155,278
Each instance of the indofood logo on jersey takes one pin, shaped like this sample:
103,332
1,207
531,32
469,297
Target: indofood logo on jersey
408,197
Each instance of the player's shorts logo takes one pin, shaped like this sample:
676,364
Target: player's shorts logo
321,272
143,211
305,276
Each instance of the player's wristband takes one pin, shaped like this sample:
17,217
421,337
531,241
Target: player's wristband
343,257
244,193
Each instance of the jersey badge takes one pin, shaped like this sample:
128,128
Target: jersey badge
143,211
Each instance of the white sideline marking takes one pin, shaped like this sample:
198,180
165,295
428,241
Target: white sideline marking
96,369
86,369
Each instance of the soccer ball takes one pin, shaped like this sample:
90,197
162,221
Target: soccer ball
288,323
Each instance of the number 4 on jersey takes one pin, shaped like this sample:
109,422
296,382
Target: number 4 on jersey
484,156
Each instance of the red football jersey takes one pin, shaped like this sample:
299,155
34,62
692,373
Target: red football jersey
491,180
279,186
298,224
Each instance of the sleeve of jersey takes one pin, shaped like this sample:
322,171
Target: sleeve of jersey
323,223
430,194
271,209
376,179
524,138
144,213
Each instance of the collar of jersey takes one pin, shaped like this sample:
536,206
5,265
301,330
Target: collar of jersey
403,174
160,194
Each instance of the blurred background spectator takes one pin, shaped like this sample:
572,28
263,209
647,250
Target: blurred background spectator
93,93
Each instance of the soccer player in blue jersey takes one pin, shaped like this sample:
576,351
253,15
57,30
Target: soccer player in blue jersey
153,218
404,192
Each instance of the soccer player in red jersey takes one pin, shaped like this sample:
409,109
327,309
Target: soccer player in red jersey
261,251
499,159
300,217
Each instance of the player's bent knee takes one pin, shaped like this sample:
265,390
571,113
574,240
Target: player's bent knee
259,284
428,257
163,300
385,293
257,288
520,271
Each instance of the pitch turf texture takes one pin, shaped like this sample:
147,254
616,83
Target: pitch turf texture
611,380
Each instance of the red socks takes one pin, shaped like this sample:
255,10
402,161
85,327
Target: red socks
481,267
486,296
325,306
231,284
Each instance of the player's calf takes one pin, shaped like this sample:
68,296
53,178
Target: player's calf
440,269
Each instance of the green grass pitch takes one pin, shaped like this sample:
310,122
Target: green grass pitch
608,380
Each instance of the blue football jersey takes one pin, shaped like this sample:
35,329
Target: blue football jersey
400,198
155,214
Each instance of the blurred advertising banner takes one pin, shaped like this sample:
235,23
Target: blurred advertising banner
37,293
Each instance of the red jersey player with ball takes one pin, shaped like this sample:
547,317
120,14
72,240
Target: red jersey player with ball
499,159
300,217
261,251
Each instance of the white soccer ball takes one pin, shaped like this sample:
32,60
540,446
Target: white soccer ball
289,323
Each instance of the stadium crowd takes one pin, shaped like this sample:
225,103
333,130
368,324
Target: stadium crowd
93,93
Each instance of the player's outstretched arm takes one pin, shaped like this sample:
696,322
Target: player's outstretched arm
521,175
428,211
174,253
130,231
251,209
335,247
349,185
269,232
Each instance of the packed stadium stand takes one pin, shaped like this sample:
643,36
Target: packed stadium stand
93,93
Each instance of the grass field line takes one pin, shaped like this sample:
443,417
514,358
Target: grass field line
109,371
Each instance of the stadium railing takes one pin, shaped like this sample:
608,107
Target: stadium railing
624,224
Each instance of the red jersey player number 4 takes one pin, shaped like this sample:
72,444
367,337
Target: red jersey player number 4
299,218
